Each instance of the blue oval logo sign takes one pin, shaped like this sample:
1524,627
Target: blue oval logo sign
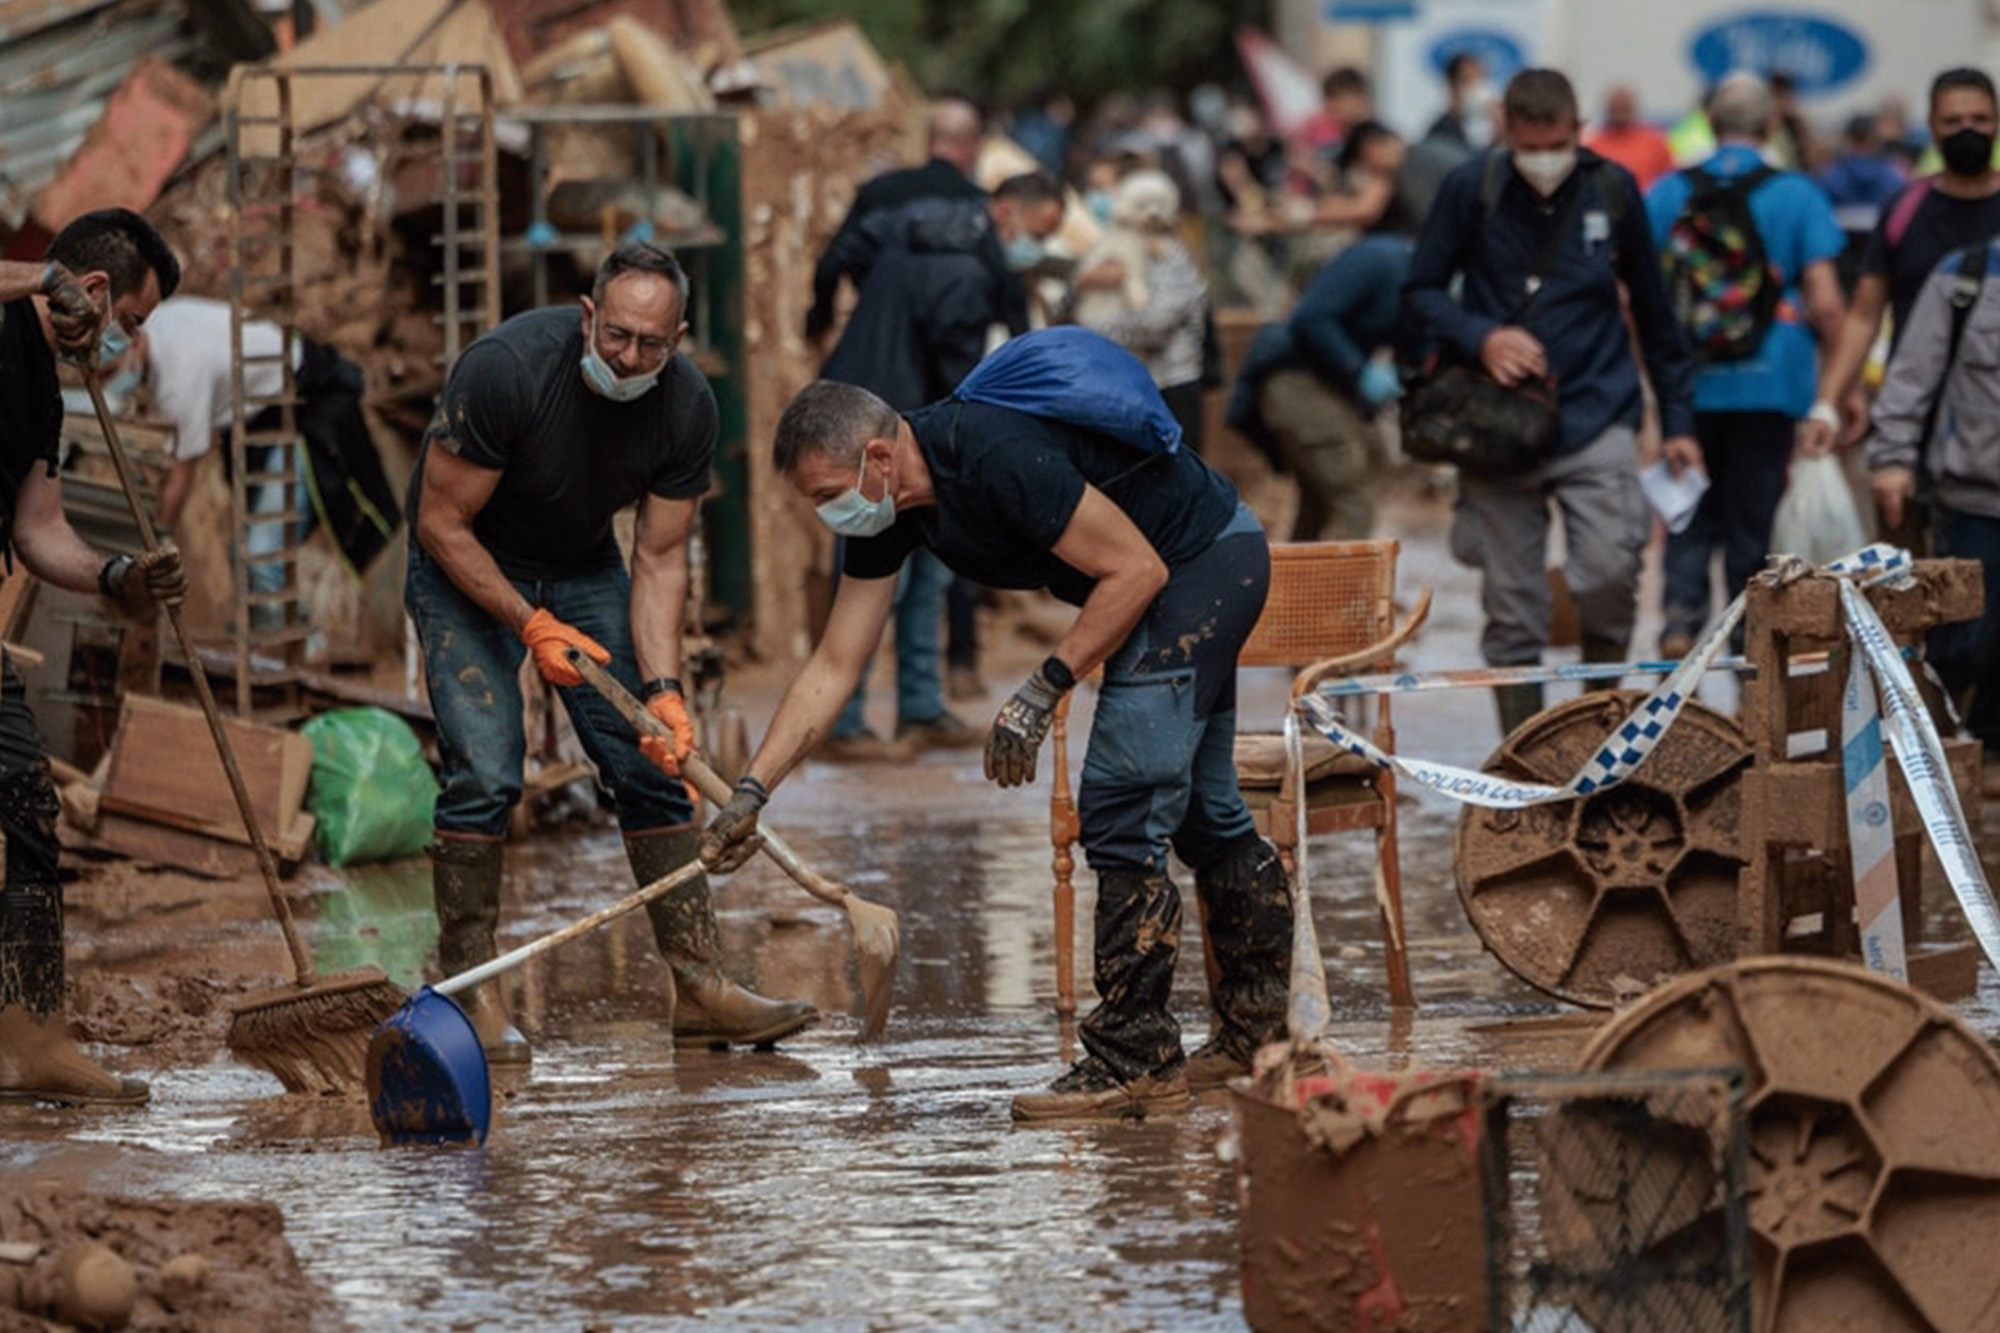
1499,50
1819,54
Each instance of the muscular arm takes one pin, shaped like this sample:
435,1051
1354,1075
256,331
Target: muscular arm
660,584
454,493
19,278
1826,308
1102,542
48,546
861,608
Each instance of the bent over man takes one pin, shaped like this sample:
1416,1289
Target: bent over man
104,273
548,427
1170,571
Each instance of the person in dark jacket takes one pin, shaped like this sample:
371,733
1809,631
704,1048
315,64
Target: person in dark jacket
1574,331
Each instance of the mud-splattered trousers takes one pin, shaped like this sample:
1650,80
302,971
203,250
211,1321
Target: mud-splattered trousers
31,918
1160,775
472,665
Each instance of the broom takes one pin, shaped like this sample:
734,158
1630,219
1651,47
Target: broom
877,935
313,1035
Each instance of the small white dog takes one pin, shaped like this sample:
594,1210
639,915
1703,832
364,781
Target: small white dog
1144,213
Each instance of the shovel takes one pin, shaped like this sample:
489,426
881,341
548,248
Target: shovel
876,931
427,1080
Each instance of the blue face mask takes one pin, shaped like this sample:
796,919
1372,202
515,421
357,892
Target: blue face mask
597,373
852,514
113,343
1023,253
1099,203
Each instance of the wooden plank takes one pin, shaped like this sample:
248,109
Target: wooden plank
164,770
159,844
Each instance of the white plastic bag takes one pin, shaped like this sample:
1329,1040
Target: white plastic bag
1817,520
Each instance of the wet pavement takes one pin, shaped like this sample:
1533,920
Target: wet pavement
829,1185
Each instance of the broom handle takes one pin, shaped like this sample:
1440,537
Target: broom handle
150,539
631,902
706,779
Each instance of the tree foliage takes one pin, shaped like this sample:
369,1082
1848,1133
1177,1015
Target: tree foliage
1004,52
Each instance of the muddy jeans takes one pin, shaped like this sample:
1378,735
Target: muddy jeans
1502,529
1328,447
1160,774
472,666
31,945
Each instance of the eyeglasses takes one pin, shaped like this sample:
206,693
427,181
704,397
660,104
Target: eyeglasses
651,349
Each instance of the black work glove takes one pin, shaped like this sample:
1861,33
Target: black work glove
1023,721
73,316
731,838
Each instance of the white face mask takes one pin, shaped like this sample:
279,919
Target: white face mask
852,514
1547,170
599,375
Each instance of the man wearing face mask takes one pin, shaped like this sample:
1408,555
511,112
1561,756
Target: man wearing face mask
102,276
1169,569
1931,218
548,427
1578,220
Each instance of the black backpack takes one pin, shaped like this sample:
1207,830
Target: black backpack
1719,277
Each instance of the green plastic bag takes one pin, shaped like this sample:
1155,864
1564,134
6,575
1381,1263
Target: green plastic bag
372,791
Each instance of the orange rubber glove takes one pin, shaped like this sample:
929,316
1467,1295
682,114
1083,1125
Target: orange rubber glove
671,710
547,638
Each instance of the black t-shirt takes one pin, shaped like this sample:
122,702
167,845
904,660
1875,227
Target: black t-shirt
31,408
1008,483
569,459
1942,223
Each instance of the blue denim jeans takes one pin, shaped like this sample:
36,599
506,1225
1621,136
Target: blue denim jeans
472,666
919,618
1160,771
1967,654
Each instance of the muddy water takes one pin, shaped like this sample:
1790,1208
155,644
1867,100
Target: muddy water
829,1186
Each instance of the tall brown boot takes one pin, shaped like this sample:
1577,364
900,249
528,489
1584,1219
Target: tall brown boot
465,887
38,1060
711,1010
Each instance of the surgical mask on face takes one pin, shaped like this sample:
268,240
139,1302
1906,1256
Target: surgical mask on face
1023,253
597,372
1966,152
1099,203
852,514
113,343
1547,170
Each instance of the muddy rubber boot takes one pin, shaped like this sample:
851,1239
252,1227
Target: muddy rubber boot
38,1060
465,887
1516,704
1596,648
1246,899
710,1009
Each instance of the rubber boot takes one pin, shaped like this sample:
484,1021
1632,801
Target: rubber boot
1516,704
710,1010
1246,898
1599,649
1136,940
38,1060
465,886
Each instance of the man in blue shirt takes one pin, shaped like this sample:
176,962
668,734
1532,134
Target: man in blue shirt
1747,410
1575,331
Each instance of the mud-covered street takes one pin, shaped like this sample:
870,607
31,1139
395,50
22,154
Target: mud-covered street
824,1186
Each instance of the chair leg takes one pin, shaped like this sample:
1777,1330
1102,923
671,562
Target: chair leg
1064,829
1389,898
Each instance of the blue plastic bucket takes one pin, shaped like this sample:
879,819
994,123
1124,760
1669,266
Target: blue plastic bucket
427,1080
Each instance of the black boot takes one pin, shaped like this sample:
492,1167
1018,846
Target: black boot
1597,648
38,1061
465,887
709,1010
1516,704
1246,899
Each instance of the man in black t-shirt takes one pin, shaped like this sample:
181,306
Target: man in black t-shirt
1169,569
103,275
1933,217
548,427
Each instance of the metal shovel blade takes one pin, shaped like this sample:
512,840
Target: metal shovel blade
427,1079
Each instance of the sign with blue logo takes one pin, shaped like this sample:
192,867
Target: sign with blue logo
1819,54
1497,49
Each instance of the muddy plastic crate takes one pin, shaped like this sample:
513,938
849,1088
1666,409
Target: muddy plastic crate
1360,1204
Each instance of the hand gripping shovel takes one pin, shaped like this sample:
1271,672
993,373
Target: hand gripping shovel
427,1080
876,931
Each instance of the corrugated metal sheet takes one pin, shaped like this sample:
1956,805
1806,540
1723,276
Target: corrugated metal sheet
60,60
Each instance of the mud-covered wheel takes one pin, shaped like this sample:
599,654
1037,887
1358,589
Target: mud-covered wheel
1873,1126
1597,900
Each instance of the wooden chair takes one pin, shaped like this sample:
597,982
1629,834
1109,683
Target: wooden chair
1330,613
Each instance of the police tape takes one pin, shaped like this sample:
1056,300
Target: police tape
1907,725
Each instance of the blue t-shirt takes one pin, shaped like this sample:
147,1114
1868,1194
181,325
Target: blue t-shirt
1007,484
1796,223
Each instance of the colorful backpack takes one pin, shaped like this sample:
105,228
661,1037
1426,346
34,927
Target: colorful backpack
1722,284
